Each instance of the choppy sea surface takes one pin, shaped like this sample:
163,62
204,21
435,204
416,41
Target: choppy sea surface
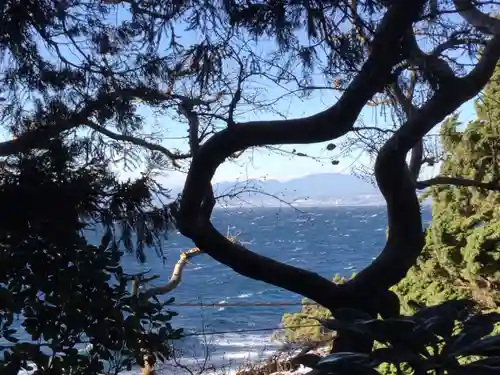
326,240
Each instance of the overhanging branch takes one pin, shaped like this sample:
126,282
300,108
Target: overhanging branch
395,183
327,125
476,18
38,137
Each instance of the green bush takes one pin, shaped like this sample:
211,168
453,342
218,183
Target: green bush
69,292
461,257
453,337
300,328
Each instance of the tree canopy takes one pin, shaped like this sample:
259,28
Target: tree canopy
79,78
59,293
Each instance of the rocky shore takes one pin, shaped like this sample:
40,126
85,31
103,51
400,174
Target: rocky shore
283,363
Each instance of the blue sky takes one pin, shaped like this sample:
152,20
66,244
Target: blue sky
262,163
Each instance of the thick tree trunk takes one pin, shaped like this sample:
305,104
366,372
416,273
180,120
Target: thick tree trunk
369,290
193,215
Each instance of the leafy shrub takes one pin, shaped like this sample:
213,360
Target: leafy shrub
461,258
302,327
58,292
450,338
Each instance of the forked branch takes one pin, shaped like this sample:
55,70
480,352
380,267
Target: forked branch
395,182
405,240
327,125
476,18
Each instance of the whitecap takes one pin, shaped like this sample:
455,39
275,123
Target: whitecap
245,295
242,340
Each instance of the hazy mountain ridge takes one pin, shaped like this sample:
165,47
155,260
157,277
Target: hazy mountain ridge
323,189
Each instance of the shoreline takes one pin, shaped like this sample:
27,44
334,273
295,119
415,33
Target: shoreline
251,362
282,362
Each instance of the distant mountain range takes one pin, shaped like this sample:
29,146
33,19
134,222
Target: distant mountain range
323,189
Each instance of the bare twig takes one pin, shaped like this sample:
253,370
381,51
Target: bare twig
457,181
139,142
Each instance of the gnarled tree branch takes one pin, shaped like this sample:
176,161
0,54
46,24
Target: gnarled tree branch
327,125
395,182
476,18
176,277
393,177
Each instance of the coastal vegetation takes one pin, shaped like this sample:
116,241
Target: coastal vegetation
92,86
461,253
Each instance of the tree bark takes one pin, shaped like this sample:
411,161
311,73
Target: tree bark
176,277
327,125
405,238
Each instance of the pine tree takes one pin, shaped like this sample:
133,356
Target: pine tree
462,253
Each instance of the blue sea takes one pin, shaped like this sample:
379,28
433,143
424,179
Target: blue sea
328,241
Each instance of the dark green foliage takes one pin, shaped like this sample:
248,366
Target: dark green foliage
59,293
450,338
462,253
61,73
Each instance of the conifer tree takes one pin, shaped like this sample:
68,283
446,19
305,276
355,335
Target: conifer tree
462,252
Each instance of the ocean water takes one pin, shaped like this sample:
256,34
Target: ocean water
326,240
